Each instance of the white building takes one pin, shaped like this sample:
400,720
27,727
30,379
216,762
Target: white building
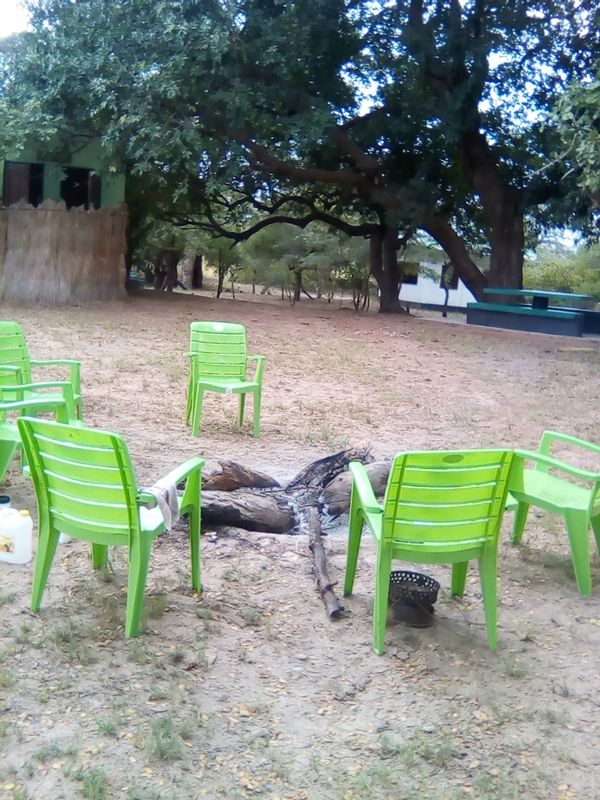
425,289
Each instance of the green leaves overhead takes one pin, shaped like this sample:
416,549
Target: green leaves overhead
413,113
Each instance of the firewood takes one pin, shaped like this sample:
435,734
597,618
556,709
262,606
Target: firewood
235,476
254,510
336,495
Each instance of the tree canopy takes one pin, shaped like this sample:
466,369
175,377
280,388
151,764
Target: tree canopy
388,117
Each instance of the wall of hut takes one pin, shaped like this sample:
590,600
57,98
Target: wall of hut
52,255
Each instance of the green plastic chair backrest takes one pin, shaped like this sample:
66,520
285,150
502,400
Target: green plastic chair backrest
221,347
13,350
83,479
446,498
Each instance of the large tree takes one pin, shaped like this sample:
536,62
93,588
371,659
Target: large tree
420,114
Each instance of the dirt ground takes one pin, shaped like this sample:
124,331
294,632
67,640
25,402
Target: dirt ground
248,690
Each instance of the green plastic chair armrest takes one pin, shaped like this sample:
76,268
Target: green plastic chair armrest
65,386
74,369
51,404
146,499
555,436
181,472
260,365
366,495
563,466
175,476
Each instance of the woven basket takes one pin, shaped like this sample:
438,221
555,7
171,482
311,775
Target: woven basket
413,587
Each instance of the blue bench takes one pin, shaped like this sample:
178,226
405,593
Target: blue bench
525,318
591,318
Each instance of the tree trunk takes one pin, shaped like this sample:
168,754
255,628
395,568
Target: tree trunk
507,240
501,207
170,260
386,269
297,285
221,269
454,247
187,271
198,277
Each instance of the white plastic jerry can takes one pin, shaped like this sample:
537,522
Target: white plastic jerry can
15,536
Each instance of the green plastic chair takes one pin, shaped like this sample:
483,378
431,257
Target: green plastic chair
440,507
28,400
15,358
86,488
219,363
560,494
10,438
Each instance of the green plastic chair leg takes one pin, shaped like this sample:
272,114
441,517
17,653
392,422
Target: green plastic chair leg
7,451
519,521
354,538
99,555
577,529
197,410
257,402
194,523
489,590
47,543
242,409
189,404
459,578
380,603
596,529
139,558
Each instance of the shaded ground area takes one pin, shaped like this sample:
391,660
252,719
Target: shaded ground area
249,690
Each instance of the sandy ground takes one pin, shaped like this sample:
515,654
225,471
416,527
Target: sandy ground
248,690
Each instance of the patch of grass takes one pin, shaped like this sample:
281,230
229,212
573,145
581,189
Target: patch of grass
143,793
164,740
94,783
54,750
188,726
251,616
113,614
205,613
159,693
107,726
5,599
551,718
70,640
5,728
43,695
513,668
155,606
138,652
24,634
437,751
6,678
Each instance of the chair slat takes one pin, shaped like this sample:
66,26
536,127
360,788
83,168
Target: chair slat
450,477
74,485
443,512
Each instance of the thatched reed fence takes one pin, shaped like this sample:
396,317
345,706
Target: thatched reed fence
51,254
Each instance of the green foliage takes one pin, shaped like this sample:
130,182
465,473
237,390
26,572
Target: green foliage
578,117
565,271
205,103
324,261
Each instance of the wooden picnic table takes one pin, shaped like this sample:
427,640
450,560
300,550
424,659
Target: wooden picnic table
540,298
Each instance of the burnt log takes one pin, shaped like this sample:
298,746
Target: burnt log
232,475
251,500
336,495
252,510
